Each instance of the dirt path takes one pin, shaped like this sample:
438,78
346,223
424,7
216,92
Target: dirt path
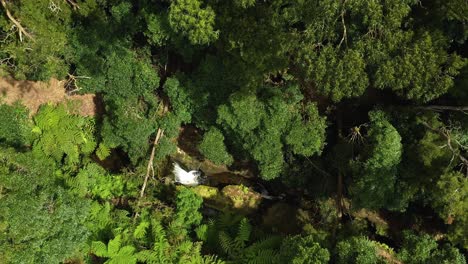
33,94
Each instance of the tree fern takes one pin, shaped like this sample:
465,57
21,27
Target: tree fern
58,134
94,181
99,249
114,252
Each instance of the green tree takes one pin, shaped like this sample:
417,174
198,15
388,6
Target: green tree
114,251
424,249
265,126
302,250
188,18
41,222
213,147
44,27
375,174
357,250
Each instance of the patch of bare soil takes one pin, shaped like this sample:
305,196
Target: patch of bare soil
33,94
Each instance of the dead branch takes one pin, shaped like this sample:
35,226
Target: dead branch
445,133
73,4
71,84
21,30
150,167
345,37
440,108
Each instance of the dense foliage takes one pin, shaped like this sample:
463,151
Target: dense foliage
351,112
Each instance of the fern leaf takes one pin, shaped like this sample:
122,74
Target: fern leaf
126,251
262,257
202,232
122,260
211,259
103,151
243,233
267,243
226,243
161,245
150,256
225,221
99,249
114,245
140,230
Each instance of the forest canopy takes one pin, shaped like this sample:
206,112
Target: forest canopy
328,131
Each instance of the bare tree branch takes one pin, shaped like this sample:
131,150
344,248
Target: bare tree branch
73,4
446,134
345,37
71,84
21,30
439,108
150,167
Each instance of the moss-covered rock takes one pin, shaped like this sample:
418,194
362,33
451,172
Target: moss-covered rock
232,198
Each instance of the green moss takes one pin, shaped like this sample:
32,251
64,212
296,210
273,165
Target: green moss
232,198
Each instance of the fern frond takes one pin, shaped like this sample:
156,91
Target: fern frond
122,260
99,249
114,245
226,243
225,221
158,232
161,245
243,233
102,151
88,146
150,256
79,184
140,230
126,251
202,232
262,257
267,243
211,259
